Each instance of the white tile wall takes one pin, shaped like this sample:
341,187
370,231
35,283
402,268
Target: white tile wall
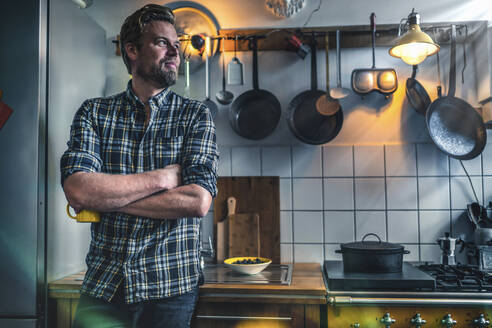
369,194
472,166
400,160
308,227
285,226
308,194
433,225
433,193
306,161
276,161
338,161
246,161
338,194
339,226
224,161
403,227
462,193
369,160
304,253
370,222
431,161
403,193
285,186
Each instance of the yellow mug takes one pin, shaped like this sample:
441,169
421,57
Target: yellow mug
84,215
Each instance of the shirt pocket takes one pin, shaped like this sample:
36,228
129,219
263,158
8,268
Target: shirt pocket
168,148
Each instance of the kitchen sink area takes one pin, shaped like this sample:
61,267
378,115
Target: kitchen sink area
274,274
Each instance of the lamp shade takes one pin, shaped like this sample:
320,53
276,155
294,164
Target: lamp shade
414,46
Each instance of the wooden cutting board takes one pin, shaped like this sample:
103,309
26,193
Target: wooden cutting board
254,195
244,235
222,232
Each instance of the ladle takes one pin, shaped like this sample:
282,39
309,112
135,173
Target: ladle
325,104
208,102
339,92
224,97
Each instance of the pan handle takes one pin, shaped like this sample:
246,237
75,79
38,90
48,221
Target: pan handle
314,80
253,44
452,69
373,29
415,68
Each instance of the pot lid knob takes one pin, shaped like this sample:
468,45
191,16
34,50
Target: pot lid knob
480,322
448,322
387,321
417,321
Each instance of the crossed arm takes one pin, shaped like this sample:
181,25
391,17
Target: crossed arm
156,194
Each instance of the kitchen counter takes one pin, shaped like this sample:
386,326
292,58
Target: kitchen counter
300,303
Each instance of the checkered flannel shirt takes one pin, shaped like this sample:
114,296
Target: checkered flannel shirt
153,258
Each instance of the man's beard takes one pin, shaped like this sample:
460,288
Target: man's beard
157,74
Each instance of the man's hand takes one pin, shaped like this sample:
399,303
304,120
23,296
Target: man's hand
171,176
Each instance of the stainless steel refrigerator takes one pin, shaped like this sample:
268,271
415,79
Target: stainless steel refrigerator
23,33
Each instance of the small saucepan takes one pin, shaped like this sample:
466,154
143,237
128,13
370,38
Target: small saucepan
372,256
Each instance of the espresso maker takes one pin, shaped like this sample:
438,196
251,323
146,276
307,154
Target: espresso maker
448,246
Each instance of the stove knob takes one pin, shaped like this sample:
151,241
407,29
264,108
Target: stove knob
448,321
481,322
387,321
417,321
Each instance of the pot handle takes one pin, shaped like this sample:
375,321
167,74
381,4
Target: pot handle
406,251
338,251
369,234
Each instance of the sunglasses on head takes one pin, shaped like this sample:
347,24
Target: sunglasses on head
153,8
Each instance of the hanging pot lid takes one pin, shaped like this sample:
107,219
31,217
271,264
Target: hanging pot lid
191,19
379,246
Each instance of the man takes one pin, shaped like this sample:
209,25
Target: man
146,159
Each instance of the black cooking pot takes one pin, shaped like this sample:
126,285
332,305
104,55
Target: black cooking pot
372,256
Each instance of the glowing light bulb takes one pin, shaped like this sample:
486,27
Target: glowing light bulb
414,53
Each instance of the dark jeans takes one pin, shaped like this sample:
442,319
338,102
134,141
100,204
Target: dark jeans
168,312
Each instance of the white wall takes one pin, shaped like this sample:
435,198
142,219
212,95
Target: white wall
76,72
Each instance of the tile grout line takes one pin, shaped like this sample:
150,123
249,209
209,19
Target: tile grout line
450,197
323,203
418,199
353,192
291,149
385,193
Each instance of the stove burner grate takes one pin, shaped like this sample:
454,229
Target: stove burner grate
460,278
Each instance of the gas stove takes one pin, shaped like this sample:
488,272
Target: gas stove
441,295
458,278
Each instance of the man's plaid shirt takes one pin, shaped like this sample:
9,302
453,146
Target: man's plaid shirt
152,258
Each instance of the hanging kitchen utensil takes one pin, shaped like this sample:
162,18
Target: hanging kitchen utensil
208,102
224,97
339,92
187,91
454,126
325,104
255,114
416,94
367,80
304,120
235,69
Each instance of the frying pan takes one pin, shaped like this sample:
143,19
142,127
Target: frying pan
255,113
304,120
454,125
416,94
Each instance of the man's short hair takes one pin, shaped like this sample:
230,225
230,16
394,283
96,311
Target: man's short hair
134,26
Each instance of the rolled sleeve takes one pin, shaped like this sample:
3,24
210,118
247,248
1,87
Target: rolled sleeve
83,152
201,156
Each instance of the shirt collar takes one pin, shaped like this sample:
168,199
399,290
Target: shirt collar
159,99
